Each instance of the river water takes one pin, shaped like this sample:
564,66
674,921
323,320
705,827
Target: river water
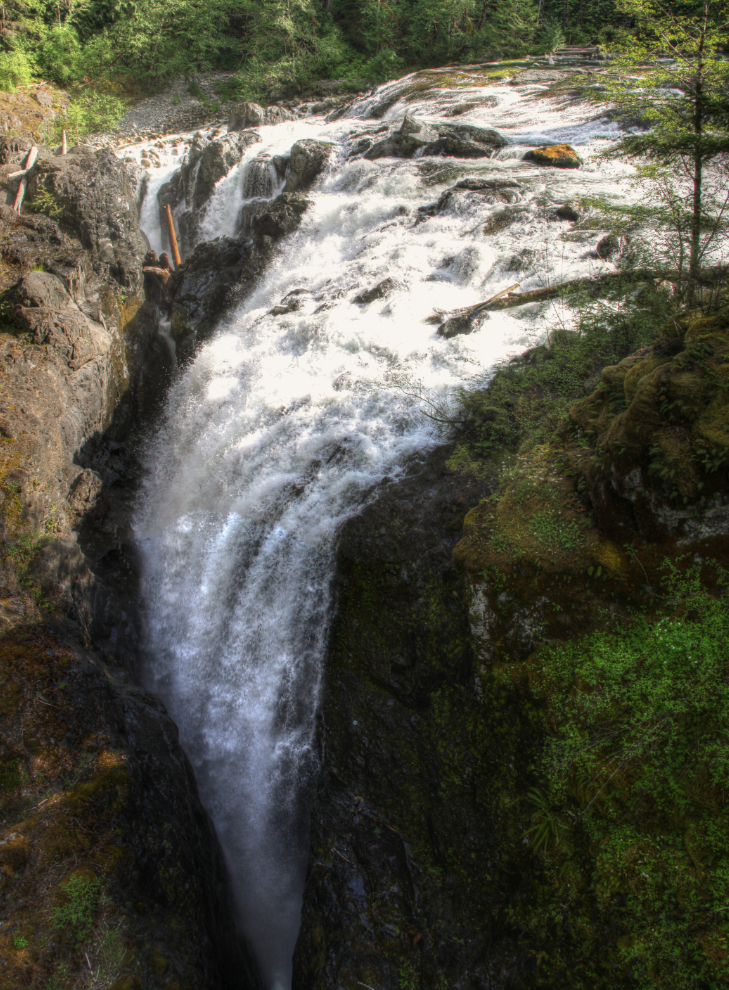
282,426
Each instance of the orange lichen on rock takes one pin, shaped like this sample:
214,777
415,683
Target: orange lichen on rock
555,155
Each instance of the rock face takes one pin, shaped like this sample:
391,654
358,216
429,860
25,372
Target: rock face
105,851
455,140
410,874
99,804
556,156
99,197
221,273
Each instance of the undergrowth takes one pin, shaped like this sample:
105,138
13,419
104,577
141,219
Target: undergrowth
631,824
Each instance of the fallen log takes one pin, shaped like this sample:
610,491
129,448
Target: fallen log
465,320
595,286
29,162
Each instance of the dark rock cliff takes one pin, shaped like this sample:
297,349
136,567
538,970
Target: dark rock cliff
109,862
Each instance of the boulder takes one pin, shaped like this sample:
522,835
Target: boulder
192,184
415,134
608,246
555,155
246,115
379,291
217,159
308,160
567,211
455,140
277,115
467,190
282,216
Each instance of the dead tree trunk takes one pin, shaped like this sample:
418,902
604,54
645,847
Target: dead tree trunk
173,236
29,163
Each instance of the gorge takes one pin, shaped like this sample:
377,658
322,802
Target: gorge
262,513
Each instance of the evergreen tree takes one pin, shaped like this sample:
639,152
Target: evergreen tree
673,78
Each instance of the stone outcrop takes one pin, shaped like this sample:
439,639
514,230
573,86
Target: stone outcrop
412,867
98,197
555,156
106,853
221,273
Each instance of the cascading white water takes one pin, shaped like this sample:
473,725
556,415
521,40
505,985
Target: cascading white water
282,426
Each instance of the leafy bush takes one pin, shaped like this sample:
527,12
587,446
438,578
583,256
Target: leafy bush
93,112
632,830
16,69
78,913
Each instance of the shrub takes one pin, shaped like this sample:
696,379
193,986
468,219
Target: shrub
16,70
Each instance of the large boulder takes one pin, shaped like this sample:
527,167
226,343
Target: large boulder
474,191
308,160
282,216
246,115
217,159
455,140
221,273
192,185
253,115
555,155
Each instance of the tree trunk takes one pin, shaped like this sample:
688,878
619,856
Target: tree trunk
173,237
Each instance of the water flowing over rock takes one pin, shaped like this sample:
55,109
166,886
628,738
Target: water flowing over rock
302,408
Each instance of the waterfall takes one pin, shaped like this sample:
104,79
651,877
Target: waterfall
284,424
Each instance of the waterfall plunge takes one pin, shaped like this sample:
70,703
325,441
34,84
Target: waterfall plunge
280,429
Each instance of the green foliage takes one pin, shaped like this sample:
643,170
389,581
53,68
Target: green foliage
46,203
631,827
77,914
16,69
93,112
20,941
671,79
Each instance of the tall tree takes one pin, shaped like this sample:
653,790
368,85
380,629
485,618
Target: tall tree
673,78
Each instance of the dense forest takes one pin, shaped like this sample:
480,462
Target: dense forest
133,45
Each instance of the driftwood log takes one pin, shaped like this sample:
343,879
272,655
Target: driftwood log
29,163
466,320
